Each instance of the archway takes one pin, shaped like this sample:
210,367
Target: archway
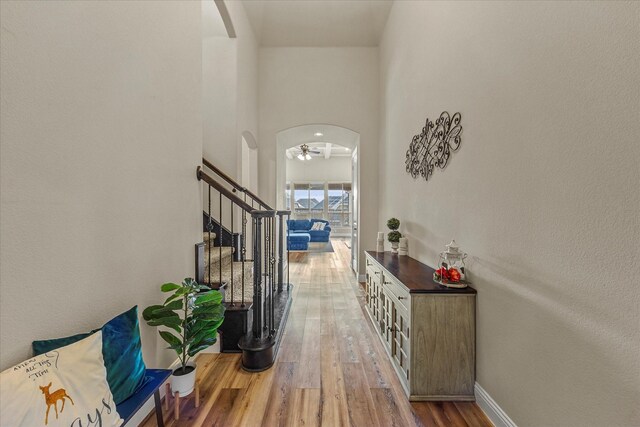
249,162
329,135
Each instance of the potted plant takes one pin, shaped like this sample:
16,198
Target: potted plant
195,312
394,235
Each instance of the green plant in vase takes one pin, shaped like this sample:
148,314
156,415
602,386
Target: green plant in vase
394,235
194,312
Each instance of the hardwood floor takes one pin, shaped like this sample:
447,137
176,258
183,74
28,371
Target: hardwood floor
331,369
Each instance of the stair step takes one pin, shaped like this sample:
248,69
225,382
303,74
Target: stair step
205,238
216,259
237,281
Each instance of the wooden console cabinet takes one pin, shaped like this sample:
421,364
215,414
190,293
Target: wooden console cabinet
428,330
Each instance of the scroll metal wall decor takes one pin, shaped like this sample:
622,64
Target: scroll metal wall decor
433,146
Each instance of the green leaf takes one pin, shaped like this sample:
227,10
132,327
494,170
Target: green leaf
168,287
171,339
147,314
193,350
174,305
174,323
213,297
203,335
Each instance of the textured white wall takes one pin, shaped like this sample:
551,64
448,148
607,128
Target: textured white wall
101,132
230,89
337,86
543,194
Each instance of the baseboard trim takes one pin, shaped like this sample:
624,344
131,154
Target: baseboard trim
492,410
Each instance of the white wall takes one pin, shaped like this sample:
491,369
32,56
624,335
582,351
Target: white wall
337,86
335,169
101,131
230,89
543,193
247,80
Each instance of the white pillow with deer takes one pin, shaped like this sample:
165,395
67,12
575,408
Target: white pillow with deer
65,387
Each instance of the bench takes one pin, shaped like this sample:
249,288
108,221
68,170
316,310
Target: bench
154,379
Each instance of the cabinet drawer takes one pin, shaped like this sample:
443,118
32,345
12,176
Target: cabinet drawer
397,291
374,273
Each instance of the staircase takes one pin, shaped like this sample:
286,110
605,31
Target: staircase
243,254
220,267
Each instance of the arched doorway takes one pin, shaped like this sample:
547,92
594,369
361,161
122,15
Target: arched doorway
249,162
325,139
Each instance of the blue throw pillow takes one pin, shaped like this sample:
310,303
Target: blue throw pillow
121,350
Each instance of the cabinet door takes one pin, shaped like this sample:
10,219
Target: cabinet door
401,343
386,320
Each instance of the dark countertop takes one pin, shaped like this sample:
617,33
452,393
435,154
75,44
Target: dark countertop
416,276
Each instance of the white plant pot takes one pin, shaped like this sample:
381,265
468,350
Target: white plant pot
184,384
394,247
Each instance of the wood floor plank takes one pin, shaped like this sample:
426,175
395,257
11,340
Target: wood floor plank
305,408
309,374
280,395
253,403
331,370
472,414
359,401
387,410
223,404
333,396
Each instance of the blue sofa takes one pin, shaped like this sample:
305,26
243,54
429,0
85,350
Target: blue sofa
303,226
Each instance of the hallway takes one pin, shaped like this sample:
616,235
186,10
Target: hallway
331,369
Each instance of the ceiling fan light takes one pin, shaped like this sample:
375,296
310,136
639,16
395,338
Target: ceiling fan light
307,156
300,156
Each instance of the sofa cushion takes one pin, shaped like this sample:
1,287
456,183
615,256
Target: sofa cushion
63,387
121,349
299,224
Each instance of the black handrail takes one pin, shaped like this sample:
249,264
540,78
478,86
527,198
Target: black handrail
202,176
234,184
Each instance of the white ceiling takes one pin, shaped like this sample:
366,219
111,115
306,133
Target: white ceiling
334,141
334,150
321,23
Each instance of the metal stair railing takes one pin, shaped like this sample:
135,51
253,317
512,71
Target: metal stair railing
267,253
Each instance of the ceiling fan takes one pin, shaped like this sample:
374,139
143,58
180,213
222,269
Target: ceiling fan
306,152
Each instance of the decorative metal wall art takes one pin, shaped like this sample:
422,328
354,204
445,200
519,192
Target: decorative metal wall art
433,146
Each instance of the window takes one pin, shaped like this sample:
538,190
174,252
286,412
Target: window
308,200
330,201
338,204
287,197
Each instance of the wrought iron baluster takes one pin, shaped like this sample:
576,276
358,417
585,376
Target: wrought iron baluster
265,272
209,227
220,241
272,262
243,249
257,277
288,263
233,250
280,250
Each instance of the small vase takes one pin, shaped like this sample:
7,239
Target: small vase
394,247
403,246
184,384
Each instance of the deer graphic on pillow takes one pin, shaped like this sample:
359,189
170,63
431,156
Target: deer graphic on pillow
52,399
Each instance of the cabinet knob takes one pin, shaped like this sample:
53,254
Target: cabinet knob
376,272
401,297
